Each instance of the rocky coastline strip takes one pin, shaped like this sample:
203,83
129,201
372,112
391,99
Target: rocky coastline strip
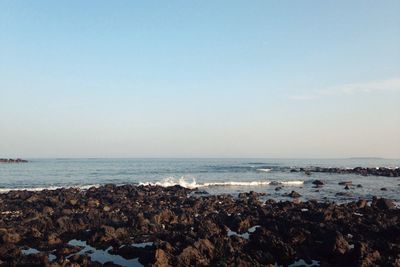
13,161
176,226
379,171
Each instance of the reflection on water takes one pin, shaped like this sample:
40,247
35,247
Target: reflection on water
102,256
30,251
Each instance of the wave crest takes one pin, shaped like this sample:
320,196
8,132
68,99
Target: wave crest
171,181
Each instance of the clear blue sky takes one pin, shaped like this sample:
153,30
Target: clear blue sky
199,78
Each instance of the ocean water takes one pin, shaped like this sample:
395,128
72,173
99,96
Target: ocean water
214,176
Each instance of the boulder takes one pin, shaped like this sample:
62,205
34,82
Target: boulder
317,183
161,258
383,203
346,183
294,194
200,253
362,203
53,239
11,237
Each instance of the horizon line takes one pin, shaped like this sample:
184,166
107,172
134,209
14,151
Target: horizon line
207,157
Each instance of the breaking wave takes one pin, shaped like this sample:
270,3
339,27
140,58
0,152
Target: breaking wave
171,181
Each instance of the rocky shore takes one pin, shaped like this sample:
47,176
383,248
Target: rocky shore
156,226
380,171
13,161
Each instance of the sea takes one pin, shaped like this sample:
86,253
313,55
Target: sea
210,176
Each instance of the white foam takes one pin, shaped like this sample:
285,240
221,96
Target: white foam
171,181
234,183
264,170
292,182
35,189
6,190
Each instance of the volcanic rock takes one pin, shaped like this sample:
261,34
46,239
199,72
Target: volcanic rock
383,203
318,183
294,194
53,239
346,183
172,226
199,254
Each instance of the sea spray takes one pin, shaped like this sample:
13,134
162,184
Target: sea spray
182,181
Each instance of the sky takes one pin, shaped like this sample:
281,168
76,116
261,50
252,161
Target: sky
286,79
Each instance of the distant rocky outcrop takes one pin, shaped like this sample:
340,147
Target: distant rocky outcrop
380,171
13,161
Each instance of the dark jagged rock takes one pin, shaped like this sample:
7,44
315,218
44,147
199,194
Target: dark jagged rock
362,203
13,161
381,171
318,183
11,237
383,203
346,183
365,256
294,194
200,253
176,227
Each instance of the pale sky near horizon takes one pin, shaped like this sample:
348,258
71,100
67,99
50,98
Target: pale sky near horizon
199,78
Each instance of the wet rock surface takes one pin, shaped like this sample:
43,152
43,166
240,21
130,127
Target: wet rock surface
156,226
318,183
